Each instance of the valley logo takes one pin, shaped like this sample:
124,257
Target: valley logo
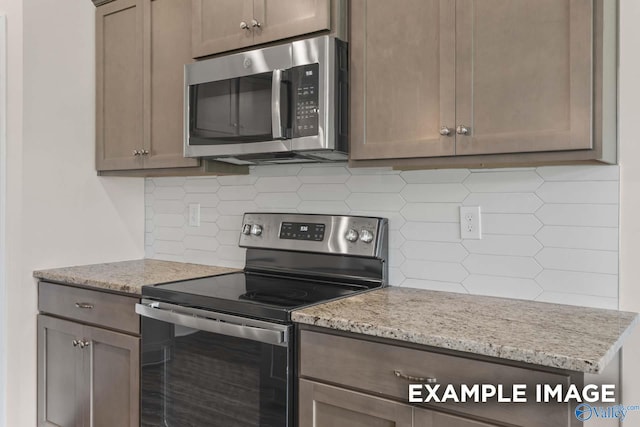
585,412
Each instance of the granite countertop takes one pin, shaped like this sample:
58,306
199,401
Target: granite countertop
559,336
130,276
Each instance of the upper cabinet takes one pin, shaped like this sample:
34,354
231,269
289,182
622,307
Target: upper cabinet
224,25
436,81
141,49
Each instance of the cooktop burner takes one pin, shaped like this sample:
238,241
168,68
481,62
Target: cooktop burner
250,294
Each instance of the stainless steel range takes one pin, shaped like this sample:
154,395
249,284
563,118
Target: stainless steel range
219,351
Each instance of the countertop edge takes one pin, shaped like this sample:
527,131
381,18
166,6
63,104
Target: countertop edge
533,357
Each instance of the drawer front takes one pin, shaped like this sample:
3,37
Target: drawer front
374,367
85,305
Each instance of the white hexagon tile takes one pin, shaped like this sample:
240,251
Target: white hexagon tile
549,233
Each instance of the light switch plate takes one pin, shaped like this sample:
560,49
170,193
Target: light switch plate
194,214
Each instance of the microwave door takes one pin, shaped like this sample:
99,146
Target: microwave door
215,107
255,108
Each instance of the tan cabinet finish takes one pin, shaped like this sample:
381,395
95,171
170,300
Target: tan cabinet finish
386,369
402,78
141,49
93,384
167,45
119,94
224,25
88,374
482,82
89,306
324,405
524,75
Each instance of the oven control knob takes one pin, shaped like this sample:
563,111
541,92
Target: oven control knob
351,235
366,236
256,229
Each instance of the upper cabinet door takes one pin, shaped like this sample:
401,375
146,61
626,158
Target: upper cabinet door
280,19
119,95
524,75
167,49
218,26
402,79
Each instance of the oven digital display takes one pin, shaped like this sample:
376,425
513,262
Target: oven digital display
302,231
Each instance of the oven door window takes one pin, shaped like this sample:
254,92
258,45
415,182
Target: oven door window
198,378
234,111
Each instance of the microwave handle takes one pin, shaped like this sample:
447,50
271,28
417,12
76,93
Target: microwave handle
276,107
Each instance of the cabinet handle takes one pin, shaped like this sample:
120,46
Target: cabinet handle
462,130
255,23
428,380
84,305
445,131
144,152
136,153
83,343
75,343
244,26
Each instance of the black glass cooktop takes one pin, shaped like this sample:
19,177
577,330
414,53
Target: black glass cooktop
250,294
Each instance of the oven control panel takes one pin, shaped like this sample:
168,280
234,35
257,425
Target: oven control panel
339,234
302,231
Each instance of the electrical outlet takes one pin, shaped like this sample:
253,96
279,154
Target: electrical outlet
194,215
470,222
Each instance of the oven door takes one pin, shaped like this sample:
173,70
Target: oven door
201,368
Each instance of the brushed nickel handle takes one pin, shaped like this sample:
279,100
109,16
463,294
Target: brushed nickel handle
428,380
244,26
462,130
83,343
136,153
445,131
75,343
144,152
255,23
84,305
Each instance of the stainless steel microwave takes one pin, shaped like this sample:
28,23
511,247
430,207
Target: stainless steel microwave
280,104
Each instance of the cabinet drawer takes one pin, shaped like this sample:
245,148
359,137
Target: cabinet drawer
373,367
85,305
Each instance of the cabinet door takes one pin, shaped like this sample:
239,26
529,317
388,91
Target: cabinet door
216,26
280,19
60,375
402,78
524,75
425,418
112,363
119,95
323,405
167,50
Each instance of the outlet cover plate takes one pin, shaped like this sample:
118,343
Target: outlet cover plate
470,222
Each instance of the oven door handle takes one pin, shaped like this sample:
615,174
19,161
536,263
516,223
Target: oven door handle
252,333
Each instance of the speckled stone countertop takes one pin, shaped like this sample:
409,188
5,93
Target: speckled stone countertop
129,276
559,336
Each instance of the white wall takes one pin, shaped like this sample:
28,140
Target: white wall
58,211
629,114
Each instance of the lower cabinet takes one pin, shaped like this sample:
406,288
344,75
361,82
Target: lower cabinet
88,358
325,405
87,376
351,380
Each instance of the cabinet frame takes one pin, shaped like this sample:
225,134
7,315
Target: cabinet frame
604,119
84,368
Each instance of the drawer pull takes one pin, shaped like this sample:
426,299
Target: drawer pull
427,380
84,305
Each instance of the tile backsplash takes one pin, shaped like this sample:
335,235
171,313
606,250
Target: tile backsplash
549,233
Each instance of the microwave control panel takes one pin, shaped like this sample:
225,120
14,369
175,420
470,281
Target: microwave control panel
305,83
